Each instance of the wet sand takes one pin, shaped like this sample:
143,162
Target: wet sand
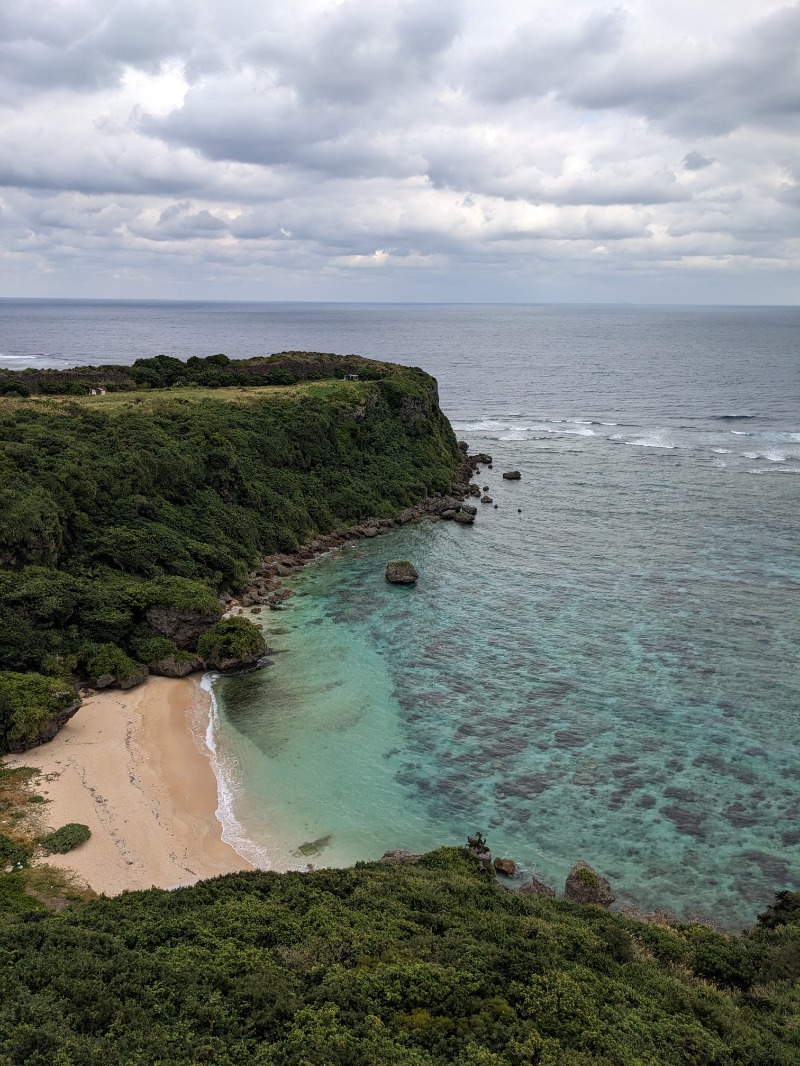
128,766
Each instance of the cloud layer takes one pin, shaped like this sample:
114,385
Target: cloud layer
426,149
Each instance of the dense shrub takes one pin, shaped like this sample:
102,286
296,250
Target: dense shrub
232,639
67,838
429,963
122,517
28,702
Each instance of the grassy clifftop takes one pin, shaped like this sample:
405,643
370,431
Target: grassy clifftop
122,516
425,964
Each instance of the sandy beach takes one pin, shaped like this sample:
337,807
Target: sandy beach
128,766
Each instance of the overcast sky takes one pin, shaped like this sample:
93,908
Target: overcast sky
401,150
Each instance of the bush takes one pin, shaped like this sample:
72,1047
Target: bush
27,703
231,641
67,838
12,852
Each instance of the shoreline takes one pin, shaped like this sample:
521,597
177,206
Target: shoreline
127,764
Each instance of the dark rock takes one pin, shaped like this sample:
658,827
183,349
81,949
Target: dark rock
135,677
464,518
486,499
184,627
469,508
484,857
585,885
506,867
535,887
449,515
400,572
512,475
463,446
474,490
176,666
482,457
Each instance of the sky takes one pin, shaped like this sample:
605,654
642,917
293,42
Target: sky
401,150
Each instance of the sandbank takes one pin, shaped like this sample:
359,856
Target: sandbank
127,765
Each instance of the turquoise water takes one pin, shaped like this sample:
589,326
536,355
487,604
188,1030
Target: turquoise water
605,667
612,673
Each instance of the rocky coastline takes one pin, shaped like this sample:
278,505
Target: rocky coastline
263,585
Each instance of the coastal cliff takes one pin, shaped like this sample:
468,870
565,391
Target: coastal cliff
129,517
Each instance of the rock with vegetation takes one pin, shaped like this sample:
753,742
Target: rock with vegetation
231,644
33,708
401,572
585,885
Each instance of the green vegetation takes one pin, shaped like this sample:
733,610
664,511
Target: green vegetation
426,963
123,516
67,838
231,640
28,702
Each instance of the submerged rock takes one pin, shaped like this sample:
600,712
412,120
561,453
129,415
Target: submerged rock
401,572
585,885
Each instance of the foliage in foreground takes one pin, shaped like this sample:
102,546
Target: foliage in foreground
430,963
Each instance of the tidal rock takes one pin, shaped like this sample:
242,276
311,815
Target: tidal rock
535,887
482,457
474,490
400,572
585,885
464,518
506,867
486,499
463,446
484,856
512,475
469,509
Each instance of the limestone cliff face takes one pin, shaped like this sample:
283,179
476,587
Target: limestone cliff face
183,626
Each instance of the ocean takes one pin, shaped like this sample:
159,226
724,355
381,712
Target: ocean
606,666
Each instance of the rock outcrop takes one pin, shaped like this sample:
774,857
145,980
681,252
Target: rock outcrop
401,572
534,887
48,730
184,627
506,867
176,665
585,885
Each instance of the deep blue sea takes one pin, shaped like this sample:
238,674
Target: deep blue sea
606,666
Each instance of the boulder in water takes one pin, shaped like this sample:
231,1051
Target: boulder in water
585,885
506,867
512,475
401,572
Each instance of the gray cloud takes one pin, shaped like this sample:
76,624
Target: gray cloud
331,144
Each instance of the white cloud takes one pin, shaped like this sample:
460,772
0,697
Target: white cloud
340,149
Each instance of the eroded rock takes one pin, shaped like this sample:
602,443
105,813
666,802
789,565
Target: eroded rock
585,885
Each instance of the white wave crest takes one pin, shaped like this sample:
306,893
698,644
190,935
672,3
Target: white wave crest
228,786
